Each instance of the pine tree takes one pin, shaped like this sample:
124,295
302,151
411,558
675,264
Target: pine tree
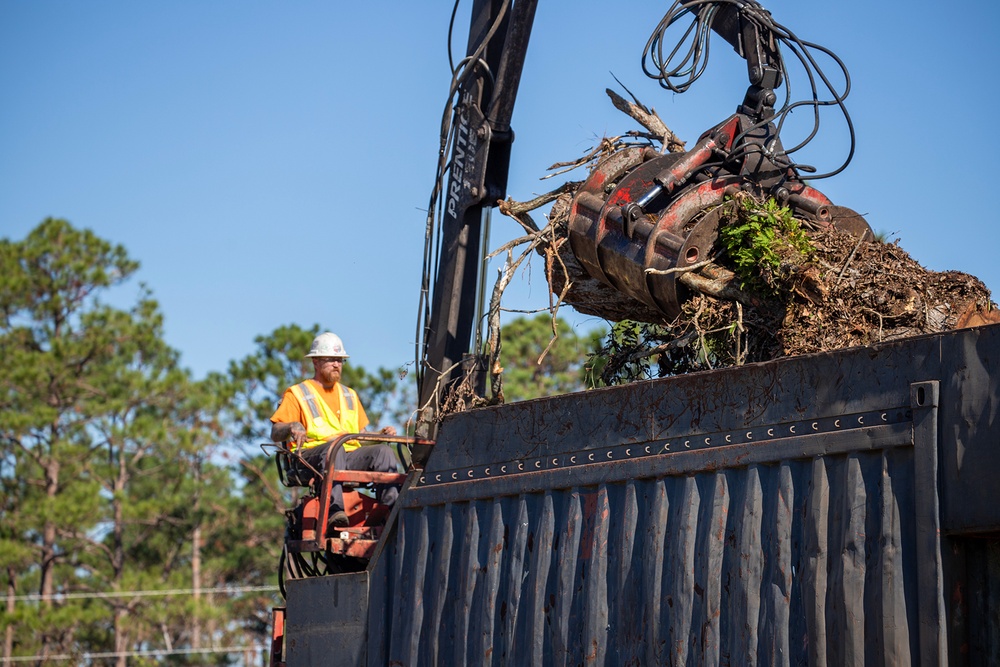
535,365
99,427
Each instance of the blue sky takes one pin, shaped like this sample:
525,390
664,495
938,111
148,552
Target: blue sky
269,163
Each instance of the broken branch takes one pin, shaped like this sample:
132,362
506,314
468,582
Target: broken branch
649,120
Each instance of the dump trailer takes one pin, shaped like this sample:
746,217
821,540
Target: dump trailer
837,508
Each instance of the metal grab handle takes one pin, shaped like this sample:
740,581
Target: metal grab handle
281,449
327,486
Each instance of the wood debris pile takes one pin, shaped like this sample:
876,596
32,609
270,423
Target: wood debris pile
874,291
846,292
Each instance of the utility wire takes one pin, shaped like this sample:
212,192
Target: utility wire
135,654
95,595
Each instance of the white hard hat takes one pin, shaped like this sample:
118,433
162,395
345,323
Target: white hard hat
327,345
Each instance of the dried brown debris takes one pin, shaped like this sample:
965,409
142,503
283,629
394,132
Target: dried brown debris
849,292
870,291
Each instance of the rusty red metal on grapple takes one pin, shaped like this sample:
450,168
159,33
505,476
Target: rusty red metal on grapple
640,209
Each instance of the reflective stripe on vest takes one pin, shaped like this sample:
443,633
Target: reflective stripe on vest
322,424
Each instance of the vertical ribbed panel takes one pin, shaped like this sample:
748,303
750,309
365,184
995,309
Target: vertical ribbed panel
708,564
537,629
816,561
624,571
467,580
680,602
652,571
794,562
518,570
893,638
776,591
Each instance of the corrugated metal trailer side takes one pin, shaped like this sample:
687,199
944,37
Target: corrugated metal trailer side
832,509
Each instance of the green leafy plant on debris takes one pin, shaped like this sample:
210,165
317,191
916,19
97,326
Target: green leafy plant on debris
762,241
766,248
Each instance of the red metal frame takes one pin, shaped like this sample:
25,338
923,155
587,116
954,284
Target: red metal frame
277,637
365,515
640,211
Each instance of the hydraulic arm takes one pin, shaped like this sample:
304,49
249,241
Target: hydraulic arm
641,213
485,87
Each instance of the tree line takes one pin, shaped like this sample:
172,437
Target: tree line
141,521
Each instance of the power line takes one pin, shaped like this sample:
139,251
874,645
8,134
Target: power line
135,654
142,594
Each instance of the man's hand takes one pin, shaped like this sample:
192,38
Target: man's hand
388,430
293,432
297,432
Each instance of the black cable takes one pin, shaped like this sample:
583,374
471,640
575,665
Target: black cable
451,29
432,237
281,572
692,64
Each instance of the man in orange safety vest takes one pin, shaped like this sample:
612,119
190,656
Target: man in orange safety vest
315,412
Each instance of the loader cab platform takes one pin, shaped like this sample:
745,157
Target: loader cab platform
314,546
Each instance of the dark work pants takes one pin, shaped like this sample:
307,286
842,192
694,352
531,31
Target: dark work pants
376,458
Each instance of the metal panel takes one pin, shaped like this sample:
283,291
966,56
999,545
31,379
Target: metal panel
327,620
981,599
925,397
698,566
969,419
705,520
784,392
788,512
708,567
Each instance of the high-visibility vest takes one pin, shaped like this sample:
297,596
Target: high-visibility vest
322,423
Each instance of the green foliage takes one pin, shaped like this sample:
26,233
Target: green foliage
563,368
254,385
387,398
624,338
105,467
765,246
763,238
117,471
641,351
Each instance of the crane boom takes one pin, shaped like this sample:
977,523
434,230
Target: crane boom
481,138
